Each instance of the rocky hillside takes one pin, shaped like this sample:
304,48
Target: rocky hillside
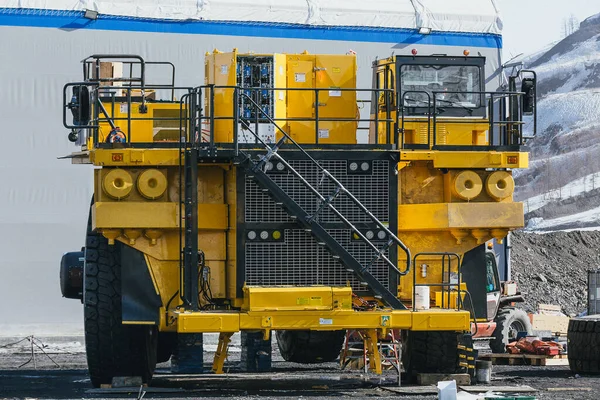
561,189
552,268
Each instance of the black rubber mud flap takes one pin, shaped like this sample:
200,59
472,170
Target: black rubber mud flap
256,352
141,303
188,355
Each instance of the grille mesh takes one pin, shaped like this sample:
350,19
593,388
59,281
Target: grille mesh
299,260
371,190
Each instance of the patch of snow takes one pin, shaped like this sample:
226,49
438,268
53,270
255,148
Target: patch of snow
584,53
571,189
41,330
48,347
574,110
589,217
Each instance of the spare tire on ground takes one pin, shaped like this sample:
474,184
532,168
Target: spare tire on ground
584,345
310,347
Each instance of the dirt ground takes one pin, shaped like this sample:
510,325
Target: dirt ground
67,379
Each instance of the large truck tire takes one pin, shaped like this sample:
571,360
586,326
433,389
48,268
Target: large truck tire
433,352
583,346
310,347
112,349
509,322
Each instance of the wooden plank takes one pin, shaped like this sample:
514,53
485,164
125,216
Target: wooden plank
549,307
433,379
506,355
521,355
412,389
500,389
552,323
526,359
556,361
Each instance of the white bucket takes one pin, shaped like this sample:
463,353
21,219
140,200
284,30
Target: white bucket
422,297
483,373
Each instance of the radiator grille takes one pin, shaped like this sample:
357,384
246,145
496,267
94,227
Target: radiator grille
300,261
371,190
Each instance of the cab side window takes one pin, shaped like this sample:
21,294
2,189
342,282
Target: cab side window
492,284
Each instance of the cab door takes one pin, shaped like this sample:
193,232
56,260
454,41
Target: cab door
383,105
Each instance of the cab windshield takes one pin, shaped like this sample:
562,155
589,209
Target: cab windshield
441,78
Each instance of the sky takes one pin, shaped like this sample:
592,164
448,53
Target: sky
529,25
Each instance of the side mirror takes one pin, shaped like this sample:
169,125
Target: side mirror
80,105
528,88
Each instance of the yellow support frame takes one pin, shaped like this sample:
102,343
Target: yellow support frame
266,321
221,353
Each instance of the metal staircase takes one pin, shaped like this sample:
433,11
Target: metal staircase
257,170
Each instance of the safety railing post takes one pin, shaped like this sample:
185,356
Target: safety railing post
94,99
317,116
492,119
433,133
236,121
212,117
387,115
377,116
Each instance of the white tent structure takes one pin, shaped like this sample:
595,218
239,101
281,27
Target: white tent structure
44,201
439,15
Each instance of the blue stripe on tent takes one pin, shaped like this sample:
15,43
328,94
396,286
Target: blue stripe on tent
73,20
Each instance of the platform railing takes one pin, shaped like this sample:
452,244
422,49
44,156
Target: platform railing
105,101
504,131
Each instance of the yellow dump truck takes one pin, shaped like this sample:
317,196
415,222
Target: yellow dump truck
247,205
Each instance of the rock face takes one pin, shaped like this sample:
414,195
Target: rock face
552,268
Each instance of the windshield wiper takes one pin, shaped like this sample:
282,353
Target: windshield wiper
406,99
455,104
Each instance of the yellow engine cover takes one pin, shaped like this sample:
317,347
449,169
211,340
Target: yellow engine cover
312,298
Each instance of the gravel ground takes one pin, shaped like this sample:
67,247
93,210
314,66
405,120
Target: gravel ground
69,379
552,268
